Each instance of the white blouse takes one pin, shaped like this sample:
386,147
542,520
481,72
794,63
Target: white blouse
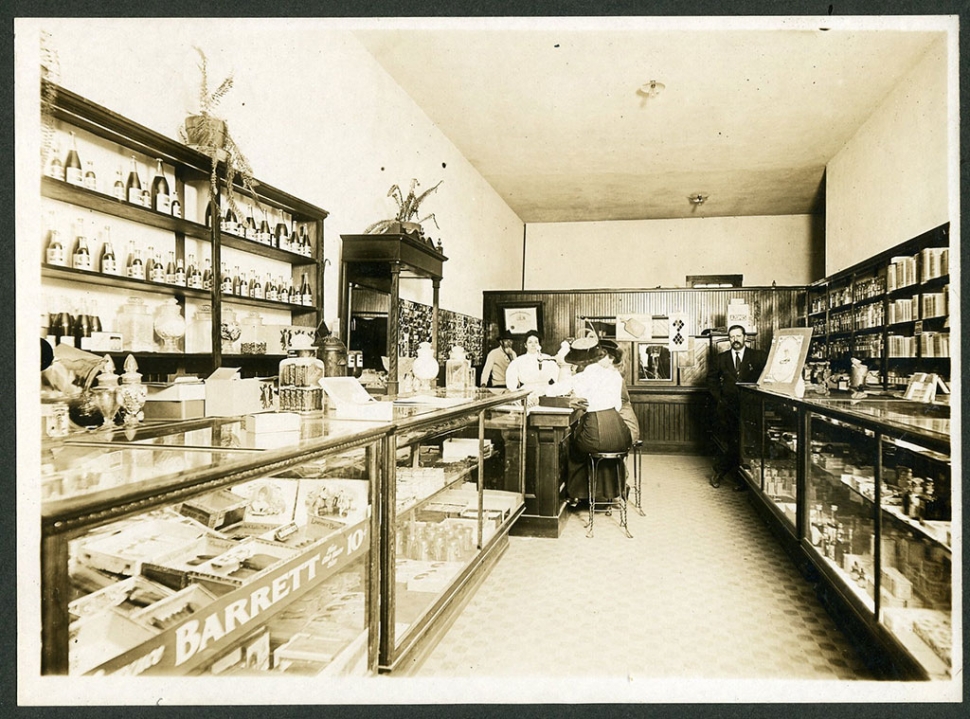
600,386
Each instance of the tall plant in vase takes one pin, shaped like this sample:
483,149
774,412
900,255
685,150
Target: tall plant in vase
209,134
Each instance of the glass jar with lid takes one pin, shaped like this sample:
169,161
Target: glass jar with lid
251,341
300,376
230,331
136,326
198,334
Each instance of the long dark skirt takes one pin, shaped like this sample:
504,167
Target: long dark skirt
603,431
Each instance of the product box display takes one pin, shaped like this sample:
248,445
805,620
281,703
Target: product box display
124,552
103,636
175,609
330,503
241,563
227,394
215,509
457,449
127,596
270,501
173,571
103,342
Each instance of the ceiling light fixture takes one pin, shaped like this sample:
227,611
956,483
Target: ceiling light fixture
650,89
697,199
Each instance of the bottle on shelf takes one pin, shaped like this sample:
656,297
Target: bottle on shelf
242,287
161,199
170,269
55,248
146,197
136,267
118,190
255,286
157,273
304,241
176,206
207,275
109,263
56,167
82,324
226,280
250,231
306,294
208,215
133,185
63,327
180,276
72,165
90,177
94,319
230,222
282,232
265,234
269,289
81,259
193,277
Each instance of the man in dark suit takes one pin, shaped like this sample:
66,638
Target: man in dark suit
737,364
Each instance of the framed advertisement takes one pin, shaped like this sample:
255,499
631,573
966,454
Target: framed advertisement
653,363
520,317
786,358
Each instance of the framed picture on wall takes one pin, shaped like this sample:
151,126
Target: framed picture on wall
520,317
653,363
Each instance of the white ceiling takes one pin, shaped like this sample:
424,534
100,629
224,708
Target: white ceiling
551,116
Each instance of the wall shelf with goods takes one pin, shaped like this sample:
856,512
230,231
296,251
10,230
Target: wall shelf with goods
892,310
263,271
862,490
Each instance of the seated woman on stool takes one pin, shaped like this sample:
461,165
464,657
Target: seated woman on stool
597,388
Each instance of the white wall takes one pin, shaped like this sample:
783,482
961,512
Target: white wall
316,116
661,253
889,183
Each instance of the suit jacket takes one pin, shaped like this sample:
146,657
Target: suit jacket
722,378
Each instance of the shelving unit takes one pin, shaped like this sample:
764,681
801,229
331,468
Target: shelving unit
890,309
108,136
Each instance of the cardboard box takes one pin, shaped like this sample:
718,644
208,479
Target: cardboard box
351,400
102,342
227,394
273,422
178,409
216,509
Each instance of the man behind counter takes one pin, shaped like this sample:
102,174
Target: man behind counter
737,364
497,361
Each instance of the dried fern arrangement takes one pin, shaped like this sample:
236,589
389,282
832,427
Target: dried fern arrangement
210,134
407,210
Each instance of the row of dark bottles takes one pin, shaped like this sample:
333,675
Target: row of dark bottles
69,327
156,195
278,234
242,284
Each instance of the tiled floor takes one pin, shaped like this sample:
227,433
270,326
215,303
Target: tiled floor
702,591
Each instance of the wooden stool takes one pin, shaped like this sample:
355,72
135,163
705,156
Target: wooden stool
594,461
636,475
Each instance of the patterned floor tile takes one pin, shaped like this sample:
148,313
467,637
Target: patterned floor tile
703,590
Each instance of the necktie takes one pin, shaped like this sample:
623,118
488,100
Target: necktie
737,362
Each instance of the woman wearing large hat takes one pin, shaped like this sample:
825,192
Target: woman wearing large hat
598,388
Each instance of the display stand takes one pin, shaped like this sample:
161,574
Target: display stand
380,262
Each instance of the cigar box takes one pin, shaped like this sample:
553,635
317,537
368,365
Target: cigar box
127,596
176,608
215,509
124,552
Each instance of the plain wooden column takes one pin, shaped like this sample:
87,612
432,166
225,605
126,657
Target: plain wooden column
393,328
436,284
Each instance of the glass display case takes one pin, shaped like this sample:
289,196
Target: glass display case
872,486
200,547
840,499
454,487
916,552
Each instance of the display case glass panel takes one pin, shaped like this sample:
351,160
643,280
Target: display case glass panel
916,563
780,464
839,511
458,484
264,562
